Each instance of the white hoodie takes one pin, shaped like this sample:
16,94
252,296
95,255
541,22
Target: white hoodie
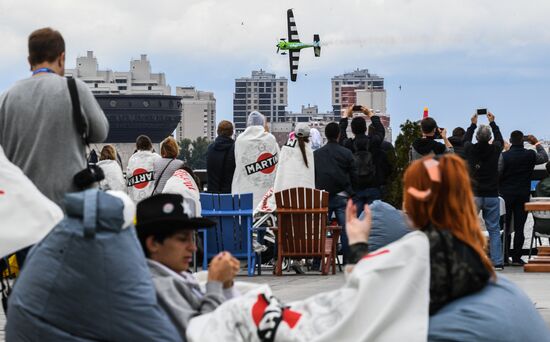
114,179
140,175
256,157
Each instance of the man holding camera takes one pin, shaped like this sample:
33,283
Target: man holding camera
37,129
370,173
427,145
516,168
483,160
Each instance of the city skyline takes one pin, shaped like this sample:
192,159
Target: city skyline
451,58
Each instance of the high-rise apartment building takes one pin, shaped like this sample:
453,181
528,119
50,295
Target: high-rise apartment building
345,90
198,114
362,88
263,92
138,80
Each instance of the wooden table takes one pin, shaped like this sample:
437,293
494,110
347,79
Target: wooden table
540,262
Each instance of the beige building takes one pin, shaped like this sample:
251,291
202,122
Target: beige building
198,118
138,80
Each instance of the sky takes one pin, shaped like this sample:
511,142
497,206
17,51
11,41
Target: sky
452,56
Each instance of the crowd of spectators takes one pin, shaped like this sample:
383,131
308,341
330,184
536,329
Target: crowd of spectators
445,187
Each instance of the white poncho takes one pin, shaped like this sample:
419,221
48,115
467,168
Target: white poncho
140,173
256,158
385,299
26,215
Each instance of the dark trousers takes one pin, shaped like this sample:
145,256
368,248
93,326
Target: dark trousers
515,206
337,206
366,196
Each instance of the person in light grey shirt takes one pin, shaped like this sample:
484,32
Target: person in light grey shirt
37,129
165,225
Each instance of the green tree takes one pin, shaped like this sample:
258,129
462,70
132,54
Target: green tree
194,152
410,130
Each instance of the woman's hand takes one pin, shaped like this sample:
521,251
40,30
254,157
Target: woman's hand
356,229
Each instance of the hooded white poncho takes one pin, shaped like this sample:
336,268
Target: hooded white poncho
256,158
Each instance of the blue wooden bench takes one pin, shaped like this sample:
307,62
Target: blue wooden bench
233,231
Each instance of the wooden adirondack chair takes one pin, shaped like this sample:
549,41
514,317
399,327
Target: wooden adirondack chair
233,232
302,227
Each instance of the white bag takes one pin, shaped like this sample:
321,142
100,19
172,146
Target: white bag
26,215
385,298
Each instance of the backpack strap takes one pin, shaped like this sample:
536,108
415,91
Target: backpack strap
160,177
81,126
89,219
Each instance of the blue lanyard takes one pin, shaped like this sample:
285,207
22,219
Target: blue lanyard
37,71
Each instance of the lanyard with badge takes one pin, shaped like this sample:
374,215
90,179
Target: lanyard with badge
38,71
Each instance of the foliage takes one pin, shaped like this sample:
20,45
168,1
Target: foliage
410,130
194,152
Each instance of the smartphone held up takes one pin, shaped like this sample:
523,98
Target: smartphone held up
481,111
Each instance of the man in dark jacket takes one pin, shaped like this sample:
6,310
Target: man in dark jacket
457,140
483,160
334,171
516,168
366,190
220,160
427,145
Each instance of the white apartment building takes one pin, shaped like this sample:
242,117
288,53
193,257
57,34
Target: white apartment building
198,118
138,80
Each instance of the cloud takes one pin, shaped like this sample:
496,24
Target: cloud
241,30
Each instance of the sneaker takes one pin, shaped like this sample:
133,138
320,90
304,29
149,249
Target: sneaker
257,247
517,262
499,267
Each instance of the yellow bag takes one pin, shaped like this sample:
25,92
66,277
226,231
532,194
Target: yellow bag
13,270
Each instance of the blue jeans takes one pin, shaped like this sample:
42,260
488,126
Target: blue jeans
490,207
366,196
337,205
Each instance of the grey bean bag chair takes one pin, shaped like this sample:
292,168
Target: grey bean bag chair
87,280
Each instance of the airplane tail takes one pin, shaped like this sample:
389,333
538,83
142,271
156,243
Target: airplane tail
317,48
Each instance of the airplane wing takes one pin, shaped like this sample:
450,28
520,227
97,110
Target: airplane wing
294,57
292,30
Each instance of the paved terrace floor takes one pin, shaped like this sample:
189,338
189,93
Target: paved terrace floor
291,287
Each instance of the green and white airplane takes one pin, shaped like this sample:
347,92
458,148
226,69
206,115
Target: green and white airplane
293,45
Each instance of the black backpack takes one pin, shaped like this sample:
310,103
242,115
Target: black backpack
366,169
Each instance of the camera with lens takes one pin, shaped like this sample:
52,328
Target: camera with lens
88,177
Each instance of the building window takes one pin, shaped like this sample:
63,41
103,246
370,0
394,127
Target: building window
149,88
282,90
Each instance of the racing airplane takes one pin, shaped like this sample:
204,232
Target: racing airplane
293,45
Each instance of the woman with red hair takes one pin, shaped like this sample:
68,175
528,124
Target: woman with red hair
439,201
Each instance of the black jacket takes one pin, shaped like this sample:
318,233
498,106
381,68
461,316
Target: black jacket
372,142
425,146
483,161
220,171
516,168
334,168
458,146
